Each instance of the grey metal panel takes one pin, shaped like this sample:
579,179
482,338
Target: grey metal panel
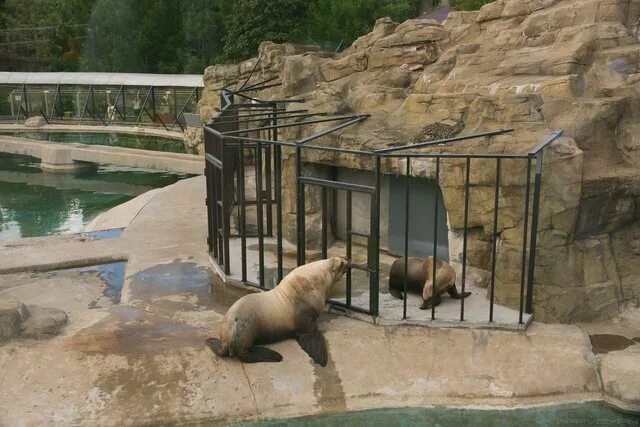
421,214
192,120
103,79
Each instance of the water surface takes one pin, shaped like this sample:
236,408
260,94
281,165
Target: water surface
33,203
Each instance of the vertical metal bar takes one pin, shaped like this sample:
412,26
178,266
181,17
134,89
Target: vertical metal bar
494,240
278,187
406,235
153,102
349,254
226,212
269,190
259,214
325,215
435,243
243,211
300,219
524,240
465,234
124,105
374,242
534,231
209,202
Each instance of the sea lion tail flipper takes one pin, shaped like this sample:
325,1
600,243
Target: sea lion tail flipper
396,293
314,345
260,354
218,348
455,295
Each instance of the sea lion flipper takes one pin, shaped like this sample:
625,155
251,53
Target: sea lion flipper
453,292
216,345
260,354
314,345
397,293
433,302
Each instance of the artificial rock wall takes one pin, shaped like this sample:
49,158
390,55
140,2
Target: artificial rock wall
531,65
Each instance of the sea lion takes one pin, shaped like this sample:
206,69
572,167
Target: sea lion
291,309
445,281
415,278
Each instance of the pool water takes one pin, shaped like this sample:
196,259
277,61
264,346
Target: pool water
579,414
143,142
33,203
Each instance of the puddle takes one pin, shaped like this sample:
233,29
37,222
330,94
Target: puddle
111,274
113,233
605,343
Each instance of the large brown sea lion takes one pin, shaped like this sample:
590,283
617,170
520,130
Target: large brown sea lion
291,309
419,280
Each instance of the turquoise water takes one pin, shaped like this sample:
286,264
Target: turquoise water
143,142
36,204
583,414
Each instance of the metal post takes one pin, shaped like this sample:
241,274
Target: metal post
524,240
435,243
465,234
153,103
300,209
277,152
495,239
243,212
225,211
374,241
349,249
325,207
406,235
534,230
209,202
259,214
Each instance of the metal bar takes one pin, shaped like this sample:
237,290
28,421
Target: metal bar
406,236
225,209
265,117
524,241
337,184
325,207
259,215
443,141
115,104
494,240
294,124
555,135
333,129
184,107
456,156
144,106
374,243
300,220
350,307
534,231
349,248
153,103
435,244
278,188
243,213
86,103
257,88
465,233
255,67
210,203
306,147
248,88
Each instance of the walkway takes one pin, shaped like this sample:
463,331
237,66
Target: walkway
144,360
71,157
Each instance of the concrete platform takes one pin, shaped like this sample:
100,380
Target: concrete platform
144,361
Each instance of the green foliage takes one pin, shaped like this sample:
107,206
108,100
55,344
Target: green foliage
253,21
470,4
334,21
168,36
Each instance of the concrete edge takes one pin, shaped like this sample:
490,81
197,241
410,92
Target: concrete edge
67,264
87,128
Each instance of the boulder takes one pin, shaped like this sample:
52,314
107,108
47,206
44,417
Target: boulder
12,314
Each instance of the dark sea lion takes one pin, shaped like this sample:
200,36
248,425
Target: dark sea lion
291,309
415,278
445,281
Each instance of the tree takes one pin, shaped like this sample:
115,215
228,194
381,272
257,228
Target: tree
332,22
470,4
253,21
